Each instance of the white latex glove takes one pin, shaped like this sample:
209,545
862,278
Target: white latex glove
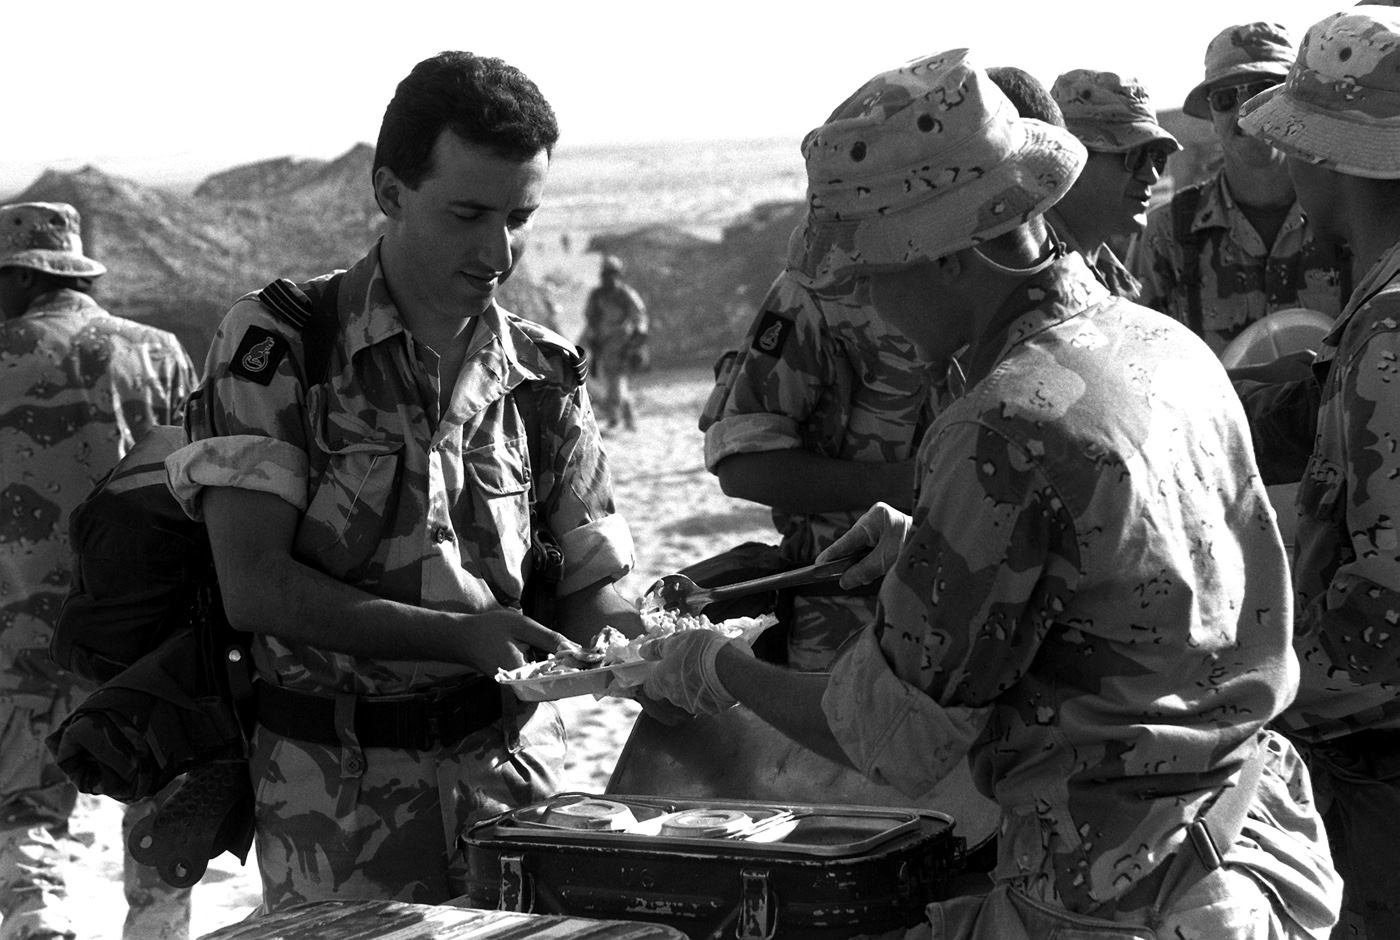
884,528
685,675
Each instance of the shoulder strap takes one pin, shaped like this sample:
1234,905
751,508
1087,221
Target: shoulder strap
1183,209
315,315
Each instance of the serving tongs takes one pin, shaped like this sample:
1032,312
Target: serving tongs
679,593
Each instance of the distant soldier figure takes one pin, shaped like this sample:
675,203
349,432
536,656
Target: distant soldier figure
1226,252
615,334
1112,117
78,386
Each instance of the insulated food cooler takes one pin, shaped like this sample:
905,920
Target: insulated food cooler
749,870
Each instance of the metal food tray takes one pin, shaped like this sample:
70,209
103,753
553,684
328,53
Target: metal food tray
821,830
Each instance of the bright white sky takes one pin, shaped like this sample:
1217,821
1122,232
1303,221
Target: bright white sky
169,89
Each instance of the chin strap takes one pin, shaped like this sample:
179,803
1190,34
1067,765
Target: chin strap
1055,253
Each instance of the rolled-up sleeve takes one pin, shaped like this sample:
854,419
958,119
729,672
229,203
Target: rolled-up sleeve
246,433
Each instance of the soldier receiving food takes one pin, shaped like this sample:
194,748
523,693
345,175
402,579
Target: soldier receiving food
1090,601
375,529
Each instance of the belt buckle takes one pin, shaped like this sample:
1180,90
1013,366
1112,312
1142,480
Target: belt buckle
440,708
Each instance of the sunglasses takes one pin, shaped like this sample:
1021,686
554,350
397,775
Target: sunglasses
1137,158
1229,97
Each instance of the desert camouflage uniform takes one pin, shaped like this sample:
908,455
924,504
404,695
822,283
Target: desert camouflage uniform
77,388
1347,579
613,320
1240,280
1093,606
823,374
1109,271
418,510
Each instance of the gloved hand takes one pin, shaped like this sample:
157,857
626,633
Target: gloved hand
884,528
685,675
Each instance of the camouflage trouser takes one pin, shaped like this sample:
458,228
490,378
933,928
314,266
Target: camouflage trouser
380,824
615,404
819,625
36,801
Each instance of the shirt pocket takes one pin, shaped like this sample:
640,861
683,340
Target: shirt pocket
1322,492
352,511
498,477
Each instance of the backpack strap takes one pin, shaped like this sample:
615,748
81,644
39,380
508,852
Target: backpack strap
316,315
1183,214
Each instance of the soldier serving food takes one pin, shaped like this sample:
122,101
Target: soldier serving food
1090,601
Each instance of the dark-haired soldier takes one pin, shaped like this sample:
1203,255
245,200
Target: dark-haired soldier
372,526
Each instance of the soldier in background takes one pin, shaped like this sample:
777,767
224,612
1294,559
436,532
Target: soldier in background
1091,599
1335,121
372,527
819,415
1225,252
615,335
78,387
1113,118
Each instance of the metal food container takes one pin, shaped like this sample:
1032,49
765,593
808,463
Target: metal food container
750,870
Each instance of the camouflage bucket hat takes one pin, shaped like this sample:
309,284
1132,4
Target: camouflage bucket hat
1108,112
920,162
1241,54
1340,107
44,236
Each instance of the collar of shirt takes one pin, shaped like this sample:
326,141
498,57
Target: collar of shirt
1218,209
1382,273
1063,290
62,301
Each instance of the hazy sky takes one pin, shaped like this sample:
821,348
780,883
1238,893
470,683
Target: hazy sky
165,90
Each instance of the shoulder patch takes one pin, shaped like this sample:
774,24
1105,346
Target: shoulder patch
772,333
257,355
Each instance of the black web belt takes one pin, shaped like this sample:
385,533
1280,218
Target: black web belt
420,722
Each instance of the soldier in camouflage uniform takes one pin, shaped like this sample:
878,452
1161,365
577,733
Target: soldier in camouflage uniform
78,386
615,334
373,530
819,417
819,414
1090,601
1226,252
1113,118
1336,121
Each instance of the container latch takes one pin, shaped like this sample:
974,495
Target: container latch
517,891
758,912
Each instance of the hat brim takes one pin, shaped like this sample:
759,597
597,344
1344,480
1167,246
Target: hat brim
1120,138
1032,178
1197,103
1326,138
49,261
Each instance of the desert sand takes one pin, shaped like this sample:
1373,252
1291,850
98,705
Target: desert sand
677,514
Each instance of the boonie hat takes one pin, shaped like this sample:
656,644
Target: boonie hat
920,162
612,263
1240,54
1108,112
1340,107
44,236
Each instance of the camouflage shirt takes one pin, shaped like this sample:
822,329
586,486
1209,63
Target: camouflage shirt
1347,564
1093,600
407,505
1241,281
823,374
78,386
612,318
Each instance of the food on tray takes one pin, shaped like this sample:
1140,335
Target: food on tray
613,663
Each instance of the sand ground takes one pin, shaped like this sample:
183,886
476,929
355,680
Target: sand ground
677,514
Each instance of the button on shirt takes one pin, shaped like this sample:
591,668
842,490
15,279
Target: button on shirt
1093,600
426,510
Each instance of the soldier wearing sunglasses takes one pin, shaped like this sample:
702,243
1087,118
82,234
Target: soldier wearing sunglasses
1236,247
1113,118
